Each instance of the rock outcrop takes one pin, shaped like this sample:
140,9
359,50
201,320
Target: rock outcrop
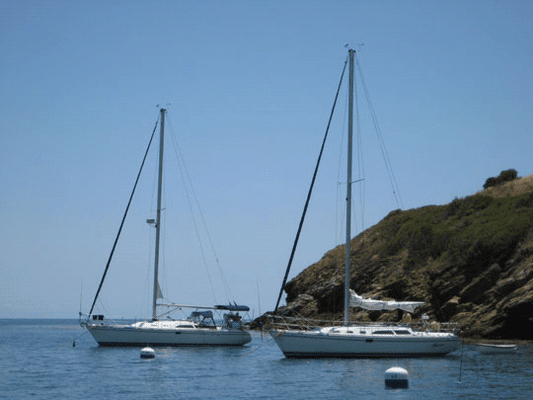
471,261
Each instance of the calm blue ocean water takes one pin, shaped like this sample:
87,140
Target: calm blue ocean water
38,361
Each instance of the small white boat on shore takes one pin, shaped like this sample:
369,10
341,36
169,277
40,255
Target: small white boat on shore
488,348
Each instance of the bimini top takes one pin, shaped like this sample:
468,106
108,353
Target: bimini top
232,307
205,314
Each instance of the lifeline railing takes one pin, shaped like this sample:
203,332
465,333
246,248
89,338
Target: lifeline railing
306,324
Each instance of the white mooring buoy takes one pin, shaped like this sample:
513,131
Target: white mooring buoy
396,378
147,352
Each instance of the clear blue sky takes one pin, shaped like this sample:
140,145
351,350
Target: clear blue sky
250,85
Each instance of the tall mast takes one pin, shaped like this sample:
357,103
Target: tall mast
349,193
158,218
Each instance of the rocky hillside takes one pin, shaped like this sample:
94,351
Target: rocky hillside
470,260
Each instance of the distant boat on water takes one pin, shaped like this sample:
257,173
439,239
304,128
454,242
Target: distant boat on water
489,348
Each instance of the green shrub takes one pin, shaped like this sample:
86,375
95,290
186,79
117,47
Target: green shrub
505,176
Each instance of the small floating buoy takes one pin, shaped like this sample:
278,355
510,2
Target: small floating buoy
396,378
147,352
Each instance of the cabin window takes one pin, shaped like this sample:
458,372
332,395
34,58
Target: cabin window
383,333
402,332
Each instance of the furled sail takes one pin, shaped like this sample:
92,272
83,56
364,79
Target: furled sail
159,292
369,304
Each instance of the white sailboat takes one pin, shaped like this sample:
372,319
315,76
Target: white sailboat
366,339
196,330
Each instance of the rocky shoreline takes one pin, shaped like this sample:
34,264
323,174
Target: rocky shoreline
471,261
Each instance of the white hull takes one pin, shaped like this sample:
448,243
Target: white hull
496,348
346,342
165,334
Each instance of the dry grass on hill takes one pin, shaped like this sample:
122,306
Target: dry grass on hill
515,187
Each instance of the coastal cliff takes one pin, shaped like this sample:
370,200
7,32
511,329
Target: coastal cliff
471,261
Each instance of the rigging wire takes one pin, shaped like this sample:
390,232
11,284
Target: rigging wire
388,165
162,261
193,203
384,153
123,220
147,290
148,286
186,184
360,159
339,203
310,191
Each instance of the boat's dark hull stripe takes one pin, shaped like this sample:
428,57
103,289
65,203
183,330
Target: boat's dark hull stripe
362,355
144,344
